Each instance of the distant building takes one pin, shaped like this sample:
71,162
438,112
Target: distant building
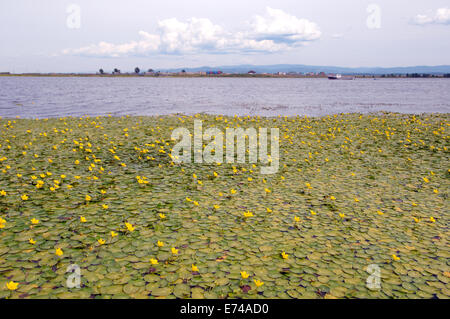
251,72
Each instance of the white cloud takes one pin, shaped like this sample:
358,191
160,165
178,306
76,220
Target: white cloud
441,16
273,32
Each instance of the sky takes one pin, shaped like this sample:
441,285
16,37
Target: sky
85,35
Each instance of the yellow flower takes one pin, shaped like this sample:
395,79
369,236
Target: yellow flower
103,191
313,212
284,255
426,180
113,234
380,212
104,206
216,206
83,219
2,193
215,174
188,199
267,190
268,210
160,243
130,227
12,285
249,179
356,199
332,197
162,216
24,197
59,252
232,191
153,261
435,191
248,214
342,215
194,267
258,282
244,275
174,251
63,176
432,219
101,241
416,219
88,198
395,257
35,221
296,219
32,241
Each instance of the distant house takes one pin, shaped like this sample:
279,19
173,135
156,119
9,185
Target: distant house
251,72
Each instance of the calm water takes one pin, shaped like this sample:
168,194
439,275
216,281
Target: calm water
55,96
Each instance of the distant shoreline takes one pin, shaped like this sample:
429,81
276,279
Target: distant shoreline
175,75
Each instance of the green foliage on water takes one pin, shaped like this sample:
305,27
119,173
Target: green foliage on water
352,190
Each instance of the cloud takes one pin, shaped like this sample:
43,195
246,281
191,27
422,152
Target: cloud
441,16
275,31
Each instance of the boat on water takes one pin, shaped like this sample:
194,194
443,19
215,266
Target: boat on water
339,77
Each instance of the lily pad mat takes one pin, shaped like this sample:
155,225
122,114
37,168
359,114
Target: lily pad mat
352,190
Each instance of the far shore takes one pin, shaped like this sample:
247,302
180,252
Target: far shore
240,75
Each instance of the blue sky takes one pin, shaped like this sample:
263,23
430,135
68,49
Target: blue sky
84,35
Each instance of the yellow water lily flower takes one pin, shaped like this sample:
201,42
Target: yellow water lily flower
35,221
87,198
248,214
267,190
104,206
130,227
432,220
395,258
101,241
194,267
32,241
153,261
268,210
284,255
232,191
426,180
216,206
332,197
313,212
24,197
162,216
160,243
11,285
59,252
244,275
258,282
342,215
379,212
174,251
83,219
297,219
2,193
113,234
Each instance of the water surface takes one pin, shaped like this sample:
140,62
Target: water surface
41,97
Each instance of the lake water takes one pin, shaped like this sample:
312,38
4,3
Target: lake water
31,97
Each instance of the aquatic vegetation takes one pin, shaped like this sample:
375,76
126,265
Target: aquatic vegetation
103,193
